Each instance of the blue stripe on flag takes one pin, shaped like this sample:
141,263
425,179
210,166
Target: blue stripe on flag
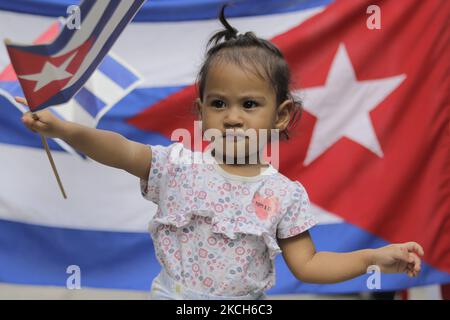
90,102
163,10
38,255
12,87
140,99
117,72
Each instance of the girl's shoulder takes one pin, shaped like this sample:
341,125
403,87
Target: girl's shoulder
291,188
173,154
177,152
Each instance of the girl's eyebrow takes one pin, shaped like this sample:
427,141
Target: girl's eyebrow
216,95
249,97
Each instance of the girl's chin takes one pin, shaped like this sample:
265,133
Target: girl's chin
236,158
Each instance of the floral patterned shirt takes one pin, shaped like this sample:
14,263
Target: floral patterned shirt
215,232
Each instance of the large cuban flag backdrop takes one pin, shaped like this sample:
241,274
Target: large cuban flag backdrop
372,148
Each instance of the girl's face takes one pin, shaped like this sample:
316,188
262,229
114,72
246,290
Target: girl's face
238,100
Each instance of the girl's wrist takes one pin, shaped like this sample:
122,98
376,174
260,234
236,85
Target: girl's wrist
370,257
64,130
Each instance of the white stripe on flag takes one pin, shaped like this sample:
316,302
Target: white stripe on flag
104,88
174,59
150,54
323,216
106,208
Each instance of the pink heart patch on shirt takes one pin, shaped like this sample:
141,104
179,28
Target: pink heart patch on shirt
265,207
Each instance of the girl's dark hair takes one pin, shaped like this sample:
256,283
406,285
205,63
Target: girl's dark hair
254,54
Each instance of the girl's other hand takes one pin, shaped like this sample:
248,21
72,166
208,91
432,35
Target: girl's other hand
399,258
43,122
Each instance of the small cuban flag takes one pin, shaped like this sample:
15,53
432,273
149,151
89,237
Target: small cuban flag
52,74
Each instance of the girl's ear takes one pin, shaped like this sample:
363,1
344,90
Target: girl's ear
198,106
284,114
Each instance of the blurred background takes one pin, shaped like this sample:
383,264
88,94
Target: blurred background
372,148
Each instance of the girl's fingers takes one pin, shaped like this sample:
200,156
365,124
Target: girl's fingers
417,262
31,116
21,100
415,247
413,268
32,122
39,126
29,124
402,255
410,271
27,118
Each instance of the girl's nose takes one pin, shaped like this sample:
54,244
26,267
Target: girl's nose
233,117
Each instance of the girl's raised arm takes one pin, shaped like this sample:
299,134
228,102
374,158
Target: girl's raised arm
106,147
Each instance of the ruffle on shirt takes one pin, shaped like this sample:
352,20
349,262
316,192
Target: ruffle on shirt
176,184
229,227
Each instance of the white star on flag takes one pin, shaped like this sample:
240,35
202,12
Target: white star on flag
50,73
342,107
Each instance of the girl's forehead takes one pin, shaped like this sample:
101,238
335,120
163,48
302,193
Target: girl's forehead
230,75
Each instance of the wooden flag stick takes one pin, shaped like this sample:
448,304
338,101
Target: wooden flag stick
47,149
50,158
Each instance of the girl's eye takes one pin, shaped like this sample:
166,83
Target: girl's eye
250,104
218,103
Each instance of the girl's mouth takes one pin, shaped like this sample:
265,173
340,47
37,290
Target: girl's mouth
234,135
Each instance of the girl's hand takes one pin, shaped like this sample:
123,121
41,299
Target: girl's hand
43,122
398,258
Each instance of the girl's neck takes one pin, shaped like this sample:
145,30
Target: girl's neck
245,169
